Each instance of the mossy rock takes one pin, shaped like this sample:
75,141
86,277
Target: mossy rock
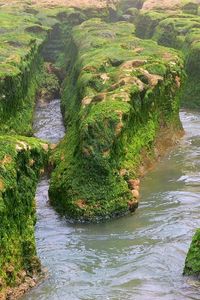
124,5
147,23
20,64
21,162
192,262
180,31
112,113
191,8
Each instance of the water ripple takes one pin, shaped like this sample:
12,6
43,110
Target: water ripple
138,257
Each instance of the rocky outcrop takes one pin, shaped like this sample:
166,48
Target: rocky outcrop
192,262
179,30
126,89
21,162
119,94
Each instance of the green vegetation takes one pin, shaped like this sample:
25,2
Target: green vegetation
125,90
34,54
22,75
21,161
19,68
192,262
180,31
120,92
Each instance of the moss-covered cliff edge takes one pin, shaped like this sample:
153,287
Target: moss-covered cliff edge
179,29
175,24
33,59
120,92
21,161
23,75
192,262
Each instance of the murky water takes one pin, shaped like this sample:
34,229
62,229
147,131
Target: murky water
138,257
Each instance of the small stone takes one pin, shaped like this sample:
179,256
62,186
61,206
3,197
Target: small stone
45,147
98,98
42,171
134,183
123,172
86,101
104,77
53,146
22,274
132,205
135,194
31,162
2,296
1,185
81,203
178,81
10,269
1,283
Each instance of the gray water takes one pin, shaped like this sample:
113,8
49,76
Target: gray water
138,257
48,124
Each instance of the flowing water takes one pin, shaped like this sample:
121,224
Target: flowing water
137,257
48,124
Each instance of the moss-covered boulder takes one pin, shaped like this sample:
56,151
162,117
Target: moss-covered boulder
192,262
124,5
20,63
191,8
21,162
180,31
119,93
147,23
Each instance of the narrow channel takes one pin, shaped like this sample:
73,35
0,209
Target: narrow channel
136,257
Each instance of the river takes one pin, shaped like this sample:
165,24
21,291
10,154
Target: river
140,256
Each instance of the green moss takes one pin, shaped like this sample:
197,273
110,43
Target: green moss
191,8
147,22
112,113
124,5
192,262
21,161
180,31
20,62
18,100
22,75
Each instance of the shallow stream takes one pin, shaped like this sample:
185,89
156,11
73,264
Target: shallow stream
137,257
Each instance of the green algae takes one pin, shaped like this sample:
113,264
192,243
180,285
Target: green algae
112,113
180,31
23,74
21,160
192,262
147,23
20,62
39,34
